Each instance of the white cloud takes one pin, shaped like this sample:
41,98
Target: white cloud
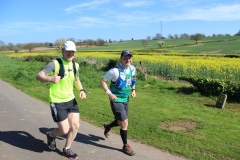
88,5
137,4
217,13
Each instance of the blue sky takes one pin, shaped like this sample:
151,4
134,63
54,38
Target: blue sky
25,21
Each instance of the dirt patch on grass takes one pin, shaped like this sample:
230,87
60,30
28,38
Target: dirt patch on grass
178,125
195,45
211,52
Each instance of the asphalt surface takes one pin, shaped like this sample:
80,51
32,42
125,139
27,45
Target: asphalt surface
25,120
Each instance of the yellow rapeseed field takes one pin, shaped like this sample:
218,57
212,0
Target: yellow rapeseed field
206,66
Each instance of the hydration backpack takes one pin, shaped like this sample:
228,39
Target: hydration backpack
62,69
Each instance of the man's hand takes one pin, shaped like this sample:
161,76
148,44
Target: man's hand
112,97
82,95
55,78
134,94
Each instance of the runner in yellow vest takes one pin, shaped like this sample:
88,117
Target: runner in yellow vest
64,107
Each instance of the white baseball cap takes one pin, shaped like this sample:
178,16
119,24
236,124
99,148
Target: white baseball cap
69,46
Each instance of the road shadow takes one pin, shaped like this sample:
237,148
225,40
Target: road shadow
82,138
24,140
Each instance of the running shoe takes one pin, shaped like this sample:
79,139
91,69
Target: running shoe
69,153
128,150
106,130
51,141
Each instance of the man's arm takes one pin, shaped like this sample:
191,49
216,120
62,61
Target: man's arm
42,77
106,89
78,85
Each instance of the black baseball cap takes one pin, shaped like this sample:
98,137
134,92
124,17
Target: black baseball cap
126,52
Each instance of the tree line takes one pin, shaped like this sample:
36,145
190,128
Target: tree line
100,42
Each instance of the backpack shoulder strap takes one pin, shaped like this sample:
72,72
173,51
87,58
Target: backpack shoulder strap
74,68
61,70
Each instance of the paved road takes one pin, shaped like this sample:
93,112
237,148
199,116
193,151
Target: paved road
24,121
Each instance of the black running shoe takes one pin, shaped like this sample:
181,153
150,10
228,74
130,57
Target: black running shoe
50,141
106,130
69,153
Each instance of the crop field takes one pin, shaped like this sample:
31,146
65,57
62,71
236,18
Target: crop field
171,66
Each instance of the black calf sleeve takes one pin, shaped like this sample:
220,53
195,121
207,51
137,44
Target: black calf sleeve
113,124
123,134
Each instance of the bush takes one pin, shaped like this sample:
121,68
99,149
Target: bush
160,43
214,87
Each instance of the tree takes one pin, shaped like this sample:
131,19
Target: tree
144,43
196,37
100,42
29,46
158,36
50,45
170,36
71,39
10,46
20,45
90,42
160,43
175,35
184,35
2,46
59,44
16,49
238,33
148,37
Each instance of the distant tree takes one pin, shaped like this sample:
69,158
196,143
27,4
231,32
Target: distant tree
20,46
50,45
220,35
16,49
59,44
71,39
79,42
170,36
109,41
30,46
214,35
238,33
132,39
158,36
184,35
144,43
196,37
227,35
148,37
46,44
160,43
90,42
100,42
175,35
2,46
10,46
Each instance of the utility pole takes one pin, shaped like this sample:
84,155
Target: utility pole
161,29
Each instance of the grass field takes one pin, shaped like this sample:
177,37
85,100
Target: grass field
169,115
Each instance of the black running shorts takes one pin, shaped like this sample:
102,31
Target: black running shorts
120,110
60,110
